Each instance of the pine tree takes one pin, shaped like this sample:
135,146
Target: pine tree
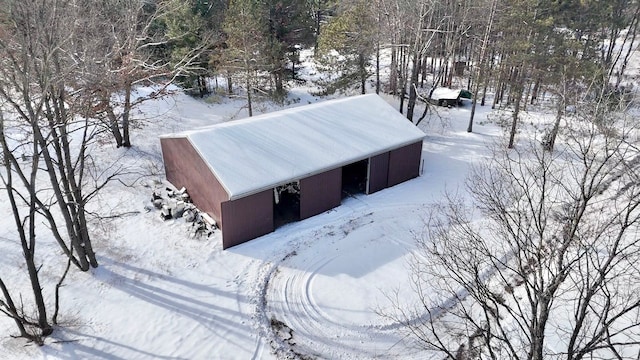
289,27
352,34
194,24
245,39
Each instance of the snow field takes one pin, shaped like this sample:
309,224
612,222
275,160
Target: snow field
311,288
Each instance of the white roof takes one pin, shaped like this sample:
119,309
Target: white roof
443,93
254,154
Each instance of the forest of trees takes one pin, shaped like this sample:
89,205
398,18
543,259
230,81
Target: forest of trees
517,50
69,70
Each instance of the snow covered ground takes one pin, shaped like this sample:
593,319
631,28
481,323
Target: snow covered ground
310,288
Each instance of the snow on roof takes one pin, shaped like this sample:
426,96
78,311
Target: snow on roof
258,153
443,93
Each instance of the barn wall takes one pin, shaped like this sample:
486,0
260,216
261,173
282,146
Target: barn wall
378,173
250,217
404,163
320,193
184,167
247,218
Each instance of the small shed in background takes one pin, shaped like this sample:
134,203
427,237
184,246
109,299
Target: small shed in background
255,174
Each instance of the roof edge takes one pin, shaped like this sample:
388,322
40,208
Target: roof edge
226,189
274,113
319,171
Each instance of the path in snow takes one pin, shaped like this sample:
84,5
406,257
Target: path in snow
322,300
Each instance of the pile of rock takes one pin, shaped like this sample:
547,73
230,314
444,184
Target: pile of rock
171,203
175,204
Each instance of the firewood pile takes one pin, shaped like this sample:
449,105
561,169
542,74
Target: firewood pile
176,204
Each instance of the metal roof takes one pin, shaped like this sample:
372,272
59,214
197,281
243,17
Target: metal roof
254,154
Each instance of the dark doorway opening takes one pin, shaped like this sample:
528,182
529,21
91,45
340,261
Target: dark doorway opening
354,178
286,204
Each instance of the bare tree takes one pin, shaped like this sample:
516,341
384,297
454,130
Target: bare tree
122,45
33,85
480,70
46,135
440,32
25,215
544,264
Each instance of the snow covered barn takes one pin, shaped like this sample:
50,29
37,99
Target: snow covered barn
255,174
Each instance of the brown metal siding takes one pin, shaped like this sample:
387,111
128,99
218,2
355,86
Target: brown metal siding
184,167
320,193
404,163
247,218
378,173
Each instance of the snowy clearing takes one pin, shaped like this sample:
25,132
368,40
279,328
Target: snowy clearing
311,288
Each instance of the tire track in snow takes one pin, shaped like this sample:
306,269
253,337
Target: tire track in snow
248,283
288,299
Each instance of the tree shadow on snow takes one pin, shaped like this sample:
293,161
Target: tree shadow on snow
177,300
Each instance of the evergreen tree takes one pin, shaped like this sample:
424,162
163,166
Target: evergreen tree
245,38
289,28
321,12
352,34
195,24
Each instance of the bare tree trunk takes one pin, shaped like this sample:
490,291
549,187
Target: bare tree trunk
378,67
550,142
278,77
362,72
126,112
473,110
423,70
527,91
62,176
12,311
9,306
447,73
404,73
114,126
424,113
54,319
481,64
317,24
29,245
26,232
534,93
469,60
489,78
393,76
249,90
516,112
412,87
378,35
633,28
501,88
61,180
